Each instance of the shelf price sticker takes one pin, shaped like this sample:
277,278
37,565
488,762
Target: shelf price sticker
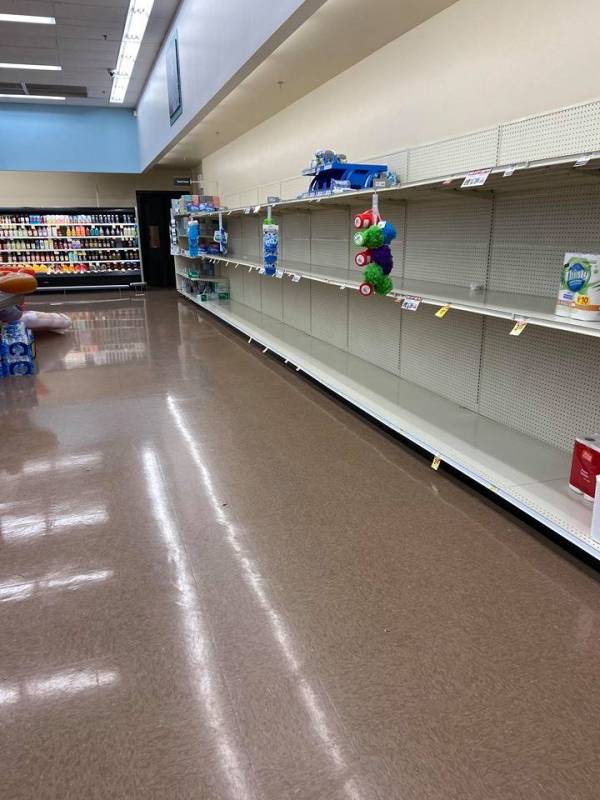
476,178
518,327
261,271
509,171
256,209
247,210
296,278
435,464
441,312
411,303
279,273
583,160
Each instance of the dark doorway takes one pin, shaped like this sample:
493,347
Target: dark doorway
154,209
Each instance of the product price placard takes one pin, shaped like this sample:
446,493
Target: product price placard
411,303
518,327
476,178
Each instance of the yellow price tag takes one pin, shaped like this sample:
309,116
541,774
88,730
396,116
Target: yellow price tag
441,312
518,327
435,464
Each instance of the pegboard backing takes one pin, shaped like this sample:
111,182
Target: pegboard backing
272,297
573,131
396,162
329,314
236,283
251,235
296,304
448,240
543,383
533,231
233,225
292,187
251,289
330,241
249,197
295,238
374,330
462,154
268,190
442,355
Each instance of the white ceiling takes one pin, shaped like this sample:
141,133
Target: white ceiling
338,35
85,42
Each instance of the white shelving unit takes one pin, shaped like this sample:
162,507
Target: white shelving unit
504,410
490,303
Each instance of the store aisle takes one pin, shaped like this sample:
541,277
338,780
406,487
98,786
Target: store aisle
218,583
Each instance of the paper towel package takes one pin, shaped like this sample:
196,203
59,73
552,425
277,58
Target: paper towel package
585,466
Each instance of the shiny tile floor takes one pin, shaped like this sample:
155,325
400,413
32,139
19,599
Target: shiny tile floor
218,583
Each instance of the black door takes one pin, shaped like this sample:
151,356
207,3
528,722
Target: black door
154,216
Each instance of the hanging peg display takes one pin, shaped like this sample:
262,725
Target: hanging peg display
220,236
375,235
270,244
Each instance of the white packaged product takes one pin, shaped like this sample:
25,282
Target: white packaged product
579,293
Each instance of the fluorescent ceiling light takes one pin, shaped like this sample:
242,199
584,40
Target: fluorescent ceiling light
31,97
27,18
135,27
50,67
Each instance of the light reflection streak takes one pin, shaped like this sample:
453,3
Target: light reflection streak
254,580
65,682
60,464
13,591
14,527
196,635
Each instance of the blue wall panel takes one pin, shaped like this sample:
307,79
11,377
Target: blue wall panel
50,138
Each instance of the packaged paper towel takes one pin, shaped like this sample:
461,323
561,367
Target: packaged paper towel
579,292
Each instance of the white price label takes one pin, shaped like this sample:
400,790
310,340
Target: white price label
583,160
448,181
247,210
343,286
476,178
261,271
509,171
279,273
256,209
296,278
411,303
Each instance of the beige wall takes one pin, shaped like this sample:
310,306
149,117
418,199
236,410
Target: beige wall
56,189
479,63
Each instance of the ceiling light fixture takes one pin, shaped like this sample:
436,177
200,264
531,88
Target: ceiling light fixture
50,67
135,27
27,18
31,97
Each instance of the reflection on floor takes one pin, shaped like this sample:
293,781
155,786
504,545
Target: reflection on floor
205,593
